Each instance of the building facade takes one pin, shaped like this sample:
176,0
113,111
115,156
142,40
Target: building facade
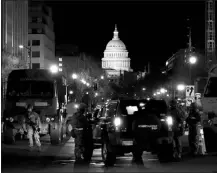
41,36
15,28
115,60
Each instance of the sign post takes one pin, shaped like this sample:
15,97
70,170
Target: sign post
190,94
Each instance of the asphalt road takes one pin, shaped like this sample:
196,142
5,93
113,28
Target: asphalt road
16,158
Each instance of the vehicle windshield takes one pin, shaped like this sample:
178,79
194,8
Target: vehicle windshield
211,89
158,106
30,89
129,107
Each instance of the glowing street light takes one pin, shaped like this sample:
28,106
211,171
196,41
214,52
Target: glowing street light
102,77
74,76
54,69
192,60
83,81
88,84
96,94
71,92
162,90
154,94
87,92
168,95
143,89
180,87
21,46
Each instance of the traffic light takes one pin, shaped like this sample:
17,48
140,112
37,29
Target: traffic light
95,86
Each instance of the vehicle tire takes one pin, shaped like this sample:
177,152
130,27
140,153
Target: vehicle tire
56,135
166,152
108,153
9,137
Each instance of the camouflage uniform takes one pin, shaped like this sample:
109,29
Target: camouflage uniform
79,124
193,120
178,127
31,125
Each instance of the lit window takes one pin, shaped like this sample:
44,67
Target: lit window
60,69
60,64
60,59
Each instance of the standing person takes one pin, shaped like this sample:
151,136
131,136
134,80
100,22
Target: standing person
192,121
88,147
178,128
31,126
79,125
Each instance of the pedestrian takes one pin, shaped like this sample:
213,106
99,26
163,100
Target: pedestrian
31,127
193,121
178,128
79,125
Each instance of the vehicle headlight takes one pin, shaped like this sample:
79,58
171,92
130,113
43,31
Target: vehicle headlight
169,120
117,121
11,119
48,120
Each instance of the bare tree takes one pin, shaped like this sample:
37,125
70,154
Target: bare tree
9,62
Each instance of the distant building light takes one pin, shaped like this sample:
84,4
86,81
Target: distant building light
60,64
60,59
60,69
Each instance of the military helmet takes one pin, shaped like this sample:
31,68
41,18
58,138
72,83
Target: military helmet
193,106
29,106
173,103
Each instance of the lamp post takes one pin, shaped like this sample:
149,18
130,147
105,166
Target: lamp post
191,61
30,54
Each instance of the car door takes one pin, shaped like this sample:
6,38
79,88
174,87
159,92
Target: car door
97,127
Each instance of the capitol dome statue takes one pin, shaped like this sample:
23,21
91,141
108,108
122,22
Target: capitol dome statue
115,59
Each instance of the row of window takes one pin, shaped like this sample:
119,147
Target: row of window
35,65
35,54
34,43
36,31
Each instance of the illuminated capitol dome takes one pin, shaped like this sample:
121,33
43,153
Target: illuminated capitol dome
115,58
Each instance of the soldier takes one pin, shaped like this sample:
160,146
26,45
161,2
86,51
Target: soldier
31,126
178,128
192,121
79,125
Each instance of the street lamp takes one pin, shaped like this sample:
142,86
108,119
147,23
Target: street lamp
30,54
192,59
162,90
71,92
83,81
180,87
54,69
74,76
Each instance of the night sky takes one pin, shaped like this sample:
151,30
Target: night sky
152,31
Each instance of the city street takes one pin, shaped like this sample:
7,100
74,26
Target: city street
60,158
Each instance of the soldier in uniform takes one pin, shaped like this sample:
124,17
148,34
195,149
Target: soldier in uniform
79,125
178,128
192,121
31,126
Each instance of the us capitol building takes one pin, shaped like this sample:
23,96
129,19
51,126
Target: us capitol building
116,60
